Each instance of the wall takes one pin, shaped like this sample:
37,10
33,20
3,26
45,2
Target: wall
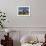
37,19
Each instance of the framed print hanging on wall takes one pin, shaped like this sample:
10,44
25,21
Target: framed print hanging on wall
23,11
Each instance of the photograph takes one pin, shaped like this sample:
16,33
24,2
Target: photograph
23,11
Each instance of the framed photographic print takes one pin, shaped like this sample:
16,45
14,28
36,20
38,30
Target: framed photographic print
23,11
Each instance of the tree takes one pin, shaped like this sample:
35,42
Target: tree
2,19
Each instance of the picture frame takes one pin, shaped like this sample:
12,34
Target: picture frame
23,11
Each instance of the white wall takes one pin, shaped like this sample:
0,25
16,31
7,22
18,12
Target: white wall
37,19
39,13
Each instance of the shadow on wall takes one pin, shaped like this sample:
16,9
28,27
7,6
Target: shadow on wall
16,43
